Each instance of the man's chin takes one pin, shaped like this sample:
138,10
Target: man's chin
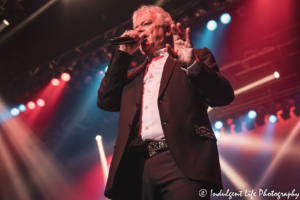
145,49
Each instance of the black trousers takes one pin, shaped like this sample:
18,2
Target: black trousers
157,178
162,180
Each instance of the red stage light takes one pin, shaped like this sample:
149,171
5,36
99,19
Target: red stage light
55,82
65,76
229,121
40,102
134,64
31,105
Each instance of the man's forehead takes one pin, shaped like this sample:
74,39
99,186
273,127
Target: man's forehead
143,16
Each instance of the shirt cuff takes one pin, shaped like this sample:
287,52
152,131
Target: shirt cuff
194,69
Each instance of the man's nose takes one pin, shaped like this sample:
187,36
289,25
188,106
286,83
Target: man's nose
140,30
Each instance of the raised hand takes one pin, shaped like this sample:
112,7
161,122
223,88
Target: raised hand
182,52
132,47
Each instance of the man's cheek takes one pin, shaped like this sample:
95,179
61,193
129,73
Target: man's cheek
159,38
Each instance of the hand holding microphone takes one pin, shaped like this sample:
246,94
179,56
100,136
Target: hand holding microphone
129,41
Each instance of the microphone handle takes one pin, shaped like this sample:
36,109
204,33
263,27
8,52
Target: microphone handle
121,40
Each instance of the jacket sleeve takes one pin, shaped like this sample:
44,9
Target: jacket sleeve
111,87
215,88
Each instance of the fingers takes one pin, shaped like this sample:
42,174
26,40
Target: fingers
142,35
131,33
188,36
175,30
184,34
178,30
131,47
181,28
171,52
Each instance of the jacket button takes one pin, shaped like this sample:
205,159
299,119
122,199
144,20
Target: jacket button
137,105
129,125
165,123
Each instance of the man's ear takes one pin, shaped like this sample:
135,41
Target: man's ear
168,31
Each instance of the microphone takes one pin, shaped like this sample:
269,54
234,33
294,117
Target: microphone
121,40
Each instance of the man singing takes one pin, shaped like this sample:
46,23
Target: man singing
165,147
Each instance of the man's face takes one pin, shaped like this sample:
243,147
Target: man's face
154,33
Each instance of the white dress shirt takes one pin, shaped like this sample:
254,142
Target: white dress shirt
151,128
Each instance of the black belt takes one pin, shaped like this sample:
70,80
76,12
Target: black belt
152,148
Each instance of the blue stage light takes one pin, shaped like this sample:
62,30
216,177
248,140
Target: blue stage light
218,125
217,134
272,119
22,107
212,25
252,114
14,112
225,18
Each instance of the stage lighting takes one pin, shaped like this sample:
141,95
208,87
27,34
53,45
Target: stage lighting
31,105
249,125
6,22
40,102
55,82
227,126
3,24
225,18
211,25
102,157
14,112
217,134
200,12
134,64
101,72
229,121
252,114
22,107
98,137
218,125
65,76
272,119
238,126
276,74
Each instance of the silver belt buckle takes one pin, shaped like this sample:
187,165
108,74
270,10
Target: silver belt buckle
154,147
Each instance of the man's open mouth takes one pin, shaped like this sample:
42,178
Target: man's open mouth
144,40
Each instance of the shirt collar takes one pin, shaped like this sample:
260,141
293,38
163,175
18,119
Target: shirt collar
160,52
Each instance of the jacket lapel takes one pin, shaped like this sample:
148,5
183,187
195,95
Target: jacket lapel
167,72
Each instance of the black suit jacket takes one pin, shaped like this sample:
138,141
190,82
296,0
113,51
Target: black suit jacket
183,112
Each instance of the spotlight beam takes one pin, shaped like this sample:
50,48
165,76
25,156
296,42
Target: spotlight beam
255,84
26,21
236,179
280,155
102,157
11,170
252,85
38,169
